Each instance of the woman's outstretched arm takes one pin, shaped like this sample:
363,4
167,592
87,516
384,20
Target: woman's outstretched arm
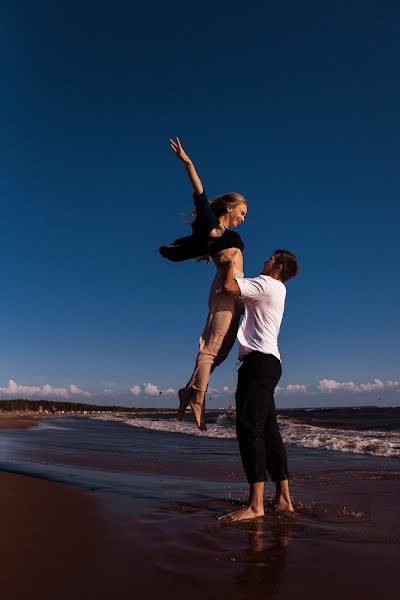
190,170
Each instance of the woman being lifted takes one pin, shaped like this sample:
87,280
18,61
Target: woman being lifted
211,236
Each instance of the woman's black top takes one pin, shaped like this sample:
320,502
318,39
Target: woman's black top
200,243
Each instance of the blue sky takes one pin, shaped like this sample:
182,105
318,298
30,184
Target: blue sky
293,105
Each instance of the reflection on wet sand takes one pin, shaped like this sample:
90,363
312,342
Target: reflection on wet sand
251,555
265,559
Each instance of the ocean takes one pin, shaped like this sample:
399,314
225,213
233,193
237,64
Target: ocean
101,451
358,430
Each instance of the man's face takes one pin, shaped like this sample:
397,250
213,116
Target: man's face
269,266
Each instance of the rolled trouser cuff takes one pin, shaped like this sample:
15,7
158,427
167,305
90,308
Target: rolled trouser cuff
278,478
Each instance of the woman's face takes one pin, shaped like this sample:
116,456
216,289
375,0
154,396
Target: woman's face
237,214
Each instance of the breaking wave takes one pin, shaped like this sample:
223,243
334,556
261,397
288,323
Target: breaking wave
374,442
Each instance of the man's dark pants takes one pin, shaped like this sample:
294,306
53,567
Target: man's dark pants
260,442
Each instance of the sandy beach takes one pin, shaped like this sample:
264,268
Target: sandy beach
102,510
56,540
15,420
51,539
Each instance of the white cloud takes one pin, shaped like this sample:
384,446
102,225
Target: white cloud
152,390
213,391
23,390
291,388
135,390
330,385
228,390
390,383
73,389
48,390
296,387
15,389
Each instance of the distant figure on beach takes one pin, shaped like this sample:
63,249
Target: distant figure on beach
210,237
260,443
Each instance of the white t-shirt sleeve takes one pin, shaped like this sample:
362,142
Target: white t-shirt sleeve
252,289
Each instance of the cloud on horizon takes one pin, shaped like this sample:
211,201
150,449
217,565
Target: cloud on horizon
292,388
145,391
135,390
330,385
46,391
151,390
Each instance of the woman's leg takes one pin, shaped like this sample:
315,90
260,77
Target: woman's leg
211,340
230,336
196,400
215,342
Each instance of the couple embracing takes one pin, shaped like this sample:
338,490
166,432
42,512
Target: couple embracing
262,299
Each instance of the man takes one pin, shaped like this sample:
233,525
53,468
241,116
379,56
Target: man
260,442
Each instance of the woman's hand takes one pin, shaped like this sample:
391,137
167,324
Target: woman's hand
194,179
179,151
204,257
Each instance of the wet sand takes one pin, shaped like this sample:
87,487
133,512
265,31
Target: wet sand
53,542
160,538
58,542
15,420
67,543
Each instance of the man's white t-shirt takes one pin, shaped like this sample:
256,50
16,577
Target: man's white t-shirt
264,301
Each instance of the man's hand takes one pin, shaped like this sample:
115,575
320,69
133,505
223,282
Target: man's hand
226,255
230,284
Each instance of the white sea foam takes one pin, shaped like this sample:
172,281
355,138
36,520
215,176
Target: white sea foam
172,426
44,425
378,443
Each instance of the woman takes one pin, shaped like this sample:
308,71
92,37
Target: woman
210,238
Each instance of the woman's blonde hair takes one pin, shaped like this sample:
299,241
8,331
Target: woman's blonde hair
220,204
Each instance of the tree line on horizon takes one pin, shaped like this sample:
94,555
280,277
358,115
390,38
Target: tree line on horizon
25,405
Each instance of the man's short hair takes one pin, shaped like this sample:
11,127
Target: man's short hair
290,266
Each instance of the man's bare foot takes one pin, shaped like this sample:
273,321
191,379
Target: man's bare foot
283,505
244,514
183,403
283,502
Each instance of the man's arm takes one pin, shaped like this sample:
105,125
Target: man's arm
230,284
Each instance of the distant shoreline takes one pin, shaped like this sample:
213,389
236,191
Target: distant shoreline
22,405
25,405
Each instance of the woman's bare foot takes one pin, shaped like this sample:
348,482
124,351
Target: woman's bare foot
203,416
196,400
184,395
198,410
197,404
244,514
